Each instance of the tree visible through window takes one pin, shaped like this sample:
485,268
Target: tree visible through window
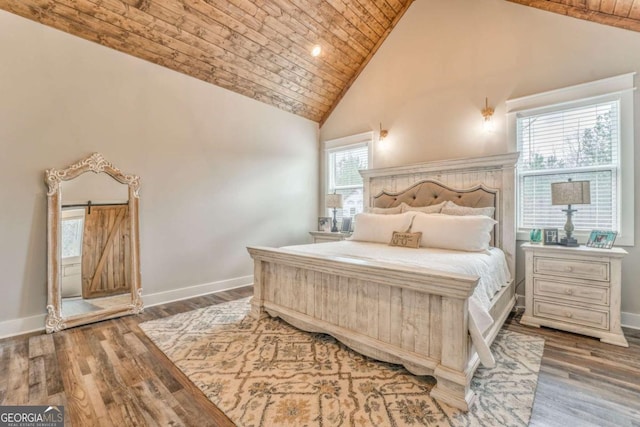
581,143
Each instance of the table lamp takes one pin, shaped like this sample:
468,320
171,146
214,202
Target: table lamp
570,193
334,201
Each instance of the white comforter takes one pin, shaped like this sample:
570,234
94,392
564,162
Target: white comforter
490,266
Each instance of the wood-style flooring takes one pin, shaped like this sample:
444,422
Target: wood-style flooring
110,374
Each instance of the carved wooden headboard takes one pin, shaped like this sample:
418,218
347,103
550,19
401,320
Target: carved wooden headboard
474,182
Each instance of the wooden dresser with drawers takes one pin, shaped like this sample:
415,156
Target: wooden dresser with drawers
574,289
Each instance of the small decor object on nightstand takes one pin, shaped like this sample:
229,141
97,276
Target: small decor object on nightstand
535,235
570,193
324,223
334,201
550,236
602,239
346,225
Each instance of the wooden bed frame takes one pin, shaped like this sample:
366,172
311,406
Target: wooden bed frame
416,317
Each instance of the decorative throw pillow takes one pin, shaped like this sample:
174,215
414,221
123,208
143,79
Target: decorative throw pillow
406,240
379,228
470,233
451,208
424,209
386,211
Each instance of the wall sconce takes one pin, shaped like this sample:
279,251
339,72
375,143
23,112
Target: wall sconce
383,133
487,113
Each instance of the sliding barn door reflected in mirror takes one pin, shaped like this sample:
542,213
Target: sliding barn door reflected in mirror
93,244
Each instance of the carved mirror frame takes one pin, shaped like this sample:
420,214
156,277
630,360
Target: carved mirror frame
54,177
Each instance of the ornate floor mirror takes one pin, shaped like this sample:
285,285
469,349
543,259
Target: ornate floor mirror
93,259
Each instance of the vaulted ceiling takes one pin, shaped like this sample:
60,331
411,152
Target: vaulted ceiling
618,13
258,48
262,48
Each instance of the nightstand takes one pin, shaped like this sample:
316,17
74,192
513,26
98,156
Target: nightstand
326,236
574,289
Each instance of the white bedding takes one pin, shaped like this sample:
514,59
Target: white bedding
490,266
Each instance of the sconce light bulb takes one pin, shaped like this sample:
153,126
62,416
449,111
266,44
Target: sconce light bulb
488,124
316,50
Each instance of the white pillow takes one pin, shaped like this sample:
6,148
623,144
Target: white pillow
379,228
451,208
386,211
470,233
425,209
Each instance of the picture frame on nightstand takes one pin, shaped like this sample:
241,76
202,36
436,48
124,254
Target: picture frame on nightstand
324,223
346,225
602,239
550,236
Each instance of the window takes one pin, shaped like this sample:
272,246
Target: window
582,137
344,158
72,228
579,143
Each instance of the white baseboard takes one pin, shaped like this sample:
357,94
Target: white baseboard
520,301
195,291
24,325
630,320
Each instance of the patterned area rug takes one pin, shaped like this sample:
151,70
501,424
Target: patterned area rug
267,373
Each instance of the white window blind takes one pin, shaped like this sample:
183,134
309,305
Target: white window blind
344,178
581,142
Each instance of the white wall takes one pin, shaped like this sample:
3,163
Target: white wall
428,83
219,171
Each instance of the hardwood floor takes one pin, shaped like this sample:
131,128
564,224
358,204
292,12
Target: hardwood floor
110,374
584,382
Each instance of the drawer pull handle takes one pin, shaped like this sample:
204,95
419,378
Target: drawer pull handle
569,315
568,292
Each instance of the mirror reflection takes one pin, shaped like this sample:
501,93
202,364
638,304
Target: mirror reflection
93,244
95,241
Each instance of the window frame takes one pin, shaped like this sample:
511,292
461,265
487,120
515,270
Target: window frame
618,88
338,144
68,215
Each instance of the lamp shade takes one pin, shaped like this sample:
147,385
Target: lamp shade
571,193
334,201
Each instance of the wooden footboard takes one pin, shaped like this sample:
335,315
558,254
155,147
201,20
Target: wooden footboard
415,317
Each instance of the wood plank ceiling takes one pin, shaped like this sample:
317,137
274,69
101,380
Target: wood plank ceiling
258,48
617,13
